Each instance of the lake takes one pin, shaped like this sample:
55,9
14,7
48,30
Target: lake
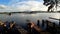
20,18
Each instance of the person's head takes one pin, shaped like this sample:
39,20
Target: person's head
38,20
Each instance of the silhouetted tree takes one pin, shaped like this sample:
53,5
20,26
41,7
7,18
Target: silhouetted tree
52,3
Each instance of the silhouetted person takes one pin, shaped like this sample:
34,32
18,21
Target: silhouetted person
54,30
46,24
59,22
43,23
38,23
53,25
29,28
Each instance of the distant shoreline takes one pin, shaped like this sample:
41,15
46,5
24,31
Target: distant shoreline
30,12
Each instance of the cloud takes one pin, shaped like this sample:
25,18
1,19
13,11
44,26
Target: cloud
27,5
30,6
2,6
24,6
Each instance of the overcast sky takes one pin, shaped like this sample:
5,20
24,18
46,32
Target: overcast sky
22,5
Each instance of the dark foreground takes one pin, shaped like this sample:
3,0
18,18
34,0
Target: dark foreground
31,28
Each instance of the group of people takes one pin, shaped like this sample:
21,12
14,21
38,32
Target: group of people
8,28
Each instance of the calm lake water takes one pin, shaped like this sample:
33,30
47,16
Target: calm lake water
20,18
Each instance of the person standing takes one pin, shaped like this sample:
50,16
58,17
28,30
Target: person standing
38,23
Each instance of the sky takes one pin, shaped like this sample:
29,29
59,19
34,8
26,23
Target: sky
22,5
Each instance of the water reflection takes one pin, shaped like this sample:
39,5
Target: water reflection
21,18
